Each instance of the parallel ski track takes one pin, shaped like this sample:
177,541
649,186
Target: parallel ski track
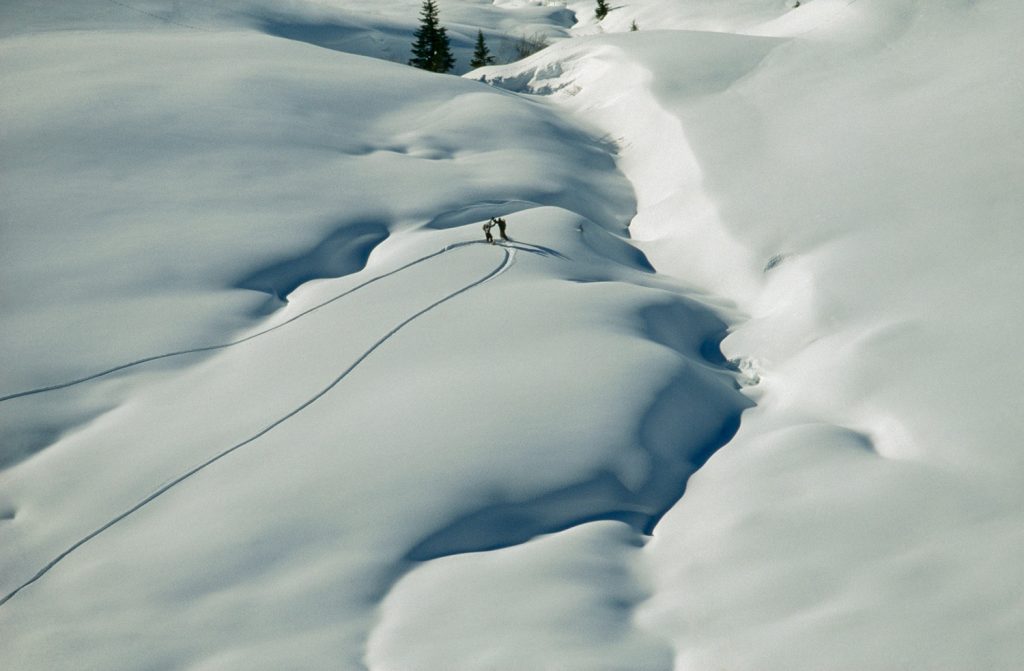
211,348
506,263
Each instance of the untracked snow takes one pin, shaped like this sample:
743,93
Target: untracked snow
850,174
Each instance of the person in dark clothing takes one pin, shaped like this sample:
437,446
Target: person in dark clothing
501,227
487,231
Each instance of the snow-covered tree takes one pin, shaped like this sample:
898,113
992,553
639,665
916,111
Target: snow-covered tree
431,50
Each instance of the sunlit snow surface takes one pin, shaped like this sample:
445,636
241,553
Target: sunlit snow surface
345,432
850,173
325,377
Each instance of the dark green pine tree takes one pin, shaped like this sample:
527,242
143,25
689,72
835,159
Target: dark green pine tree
602,9
431,50
481,54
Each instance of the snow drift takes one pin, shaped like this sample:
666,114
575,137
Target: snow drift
345,432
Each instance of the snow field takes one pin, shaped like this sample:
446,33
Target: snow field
849,186
189,166
863,176
445,454
571,592
834,186
391,392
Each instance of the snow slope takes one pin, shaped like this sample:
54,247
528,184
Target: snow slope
260,363
849,174
349,434
381,30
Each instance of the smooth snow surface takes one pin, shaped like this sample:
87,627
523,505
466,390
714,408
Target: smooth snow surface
268,400
849,173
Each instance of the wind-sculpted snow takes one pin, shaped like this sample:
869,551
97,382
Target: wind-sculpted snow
530,606
506,262
696,413
342,252
846,171
175,203
260,357
438,410
268,399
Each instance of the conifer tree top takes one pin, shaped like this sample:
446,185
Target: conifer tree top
431,50
481,54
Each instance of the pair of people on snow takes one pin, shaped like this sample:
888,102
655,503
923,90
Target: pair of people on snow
501,223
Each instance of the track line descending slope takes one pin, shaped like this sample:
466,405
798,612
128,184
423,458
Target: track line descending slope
211,348
506,263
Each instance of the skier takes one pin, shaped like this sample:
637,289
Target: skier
487,230
501,227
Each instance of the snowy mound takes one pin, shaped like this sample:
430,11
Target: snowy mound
849,174
270,400
264,362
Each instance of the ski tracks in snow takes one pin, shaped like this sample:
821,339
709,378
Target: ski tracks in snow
212,348
509,253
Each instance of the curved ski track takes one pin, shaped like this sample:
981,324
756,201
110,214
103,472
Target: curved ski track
211,348
506,263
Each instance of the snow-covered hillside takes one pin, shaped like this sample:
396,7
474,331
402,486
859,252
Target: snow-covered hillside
268,399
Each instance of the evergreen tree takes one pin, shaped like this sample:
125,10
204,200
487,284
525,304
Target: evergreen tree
602,9
431,50
481,55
